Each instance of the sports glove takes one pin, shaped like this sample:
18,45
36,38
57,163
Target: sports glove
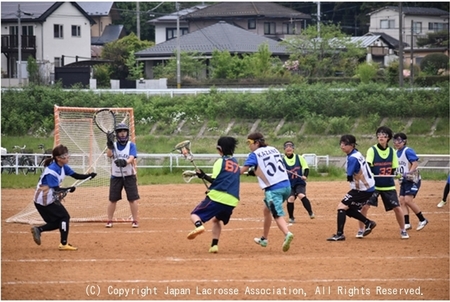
72,189
92,175
121,162
200,174
110,141
251,171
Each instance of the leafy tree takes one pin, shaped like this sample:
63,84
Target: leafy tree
433,62
33,71
366,72
119,51
434,39
190,66
323,53
136,69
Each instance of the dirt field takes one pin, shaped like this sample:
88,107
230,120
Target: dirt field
157,262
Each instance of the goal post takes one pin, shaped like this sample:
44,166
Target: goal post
75,128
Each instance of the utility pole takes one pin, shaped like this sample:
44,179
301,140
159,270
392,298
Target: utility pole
318,18
138,21
19,37
178,46
411,76
400,47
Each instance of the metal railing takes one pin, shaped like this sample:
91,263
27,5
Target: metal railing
176,161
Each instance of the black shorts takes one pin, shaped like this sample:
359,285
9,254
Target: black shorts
116,184
298,189
356,199
389,198
53,212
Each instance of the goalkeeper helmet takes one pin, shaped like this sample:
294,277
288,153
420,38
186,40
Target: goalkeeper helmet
123,140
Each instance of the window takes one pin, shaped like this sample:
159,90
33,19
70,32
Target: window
289,28
27,30
269,28
76,31
387,24
417,27
57,62
58,31
437,26
251,23
172,32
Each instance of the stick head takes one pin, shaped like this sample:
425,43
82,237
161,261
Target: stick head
184,148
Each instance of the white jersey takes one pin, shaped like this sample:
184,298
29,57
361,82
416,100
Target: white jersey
123,154
271,169
357,166
403,161
44,194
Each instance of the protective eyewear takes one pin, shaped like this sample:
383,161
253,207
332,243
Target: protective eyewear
64,156
290,145
399,140
250,141
382,134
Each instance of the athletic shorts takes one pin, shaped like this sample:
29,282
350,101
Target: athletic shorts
207,209
274,200
53,212
356,199
409,188
298,189
389,198
116,184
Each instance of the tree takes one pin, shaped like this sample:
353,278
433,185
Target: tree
119,52
190,66
435,39
322,54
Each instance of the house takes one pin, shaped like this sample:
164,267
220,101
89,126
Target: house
103,31
267,19
166,26
417,22
220,36
55,33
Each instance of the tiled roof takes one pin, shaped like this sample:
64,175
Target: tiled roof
96,8
419,11
245,9
220,36
389,39
173,16
110,34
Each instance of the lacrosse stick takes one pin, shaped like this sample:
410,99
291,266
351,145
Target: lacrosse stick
185,149
413,176
59,196
188,175
105,120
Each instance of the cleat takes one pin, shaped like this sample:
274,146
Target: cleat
404,235
369,228
421,225
291,220
67,247
360,234
312,216
407,226
109,224
287,241
197,231
261,242
336,238
214,249
36,235
135,224
441,203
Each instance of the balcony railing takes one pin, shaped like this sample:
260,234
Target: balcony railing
11,43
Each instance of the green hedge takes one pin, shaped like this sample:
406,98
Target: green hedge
30,111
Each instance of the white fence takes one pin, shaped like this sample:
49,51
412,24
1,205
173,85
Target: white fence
12,161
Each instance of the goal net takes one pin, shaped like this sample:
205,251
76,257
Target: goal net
76,129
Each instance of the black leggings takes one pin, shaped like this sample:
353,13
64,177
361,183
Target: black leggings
56,217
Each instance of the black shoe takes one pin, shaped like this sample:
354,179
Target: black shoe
36,235
369,228
336,238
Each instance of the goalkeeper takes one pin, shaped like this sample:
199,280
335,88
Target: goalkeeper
222,196
48,195
408,162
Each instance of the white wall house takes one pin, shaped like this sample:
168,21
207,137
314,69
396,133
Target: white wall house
58,29
417,22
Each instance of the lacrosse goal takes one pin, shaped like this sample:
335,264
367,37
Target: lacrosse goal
75,128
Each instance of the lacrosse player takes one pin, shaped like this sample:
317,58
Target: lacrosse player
123,173
49,194
223,193
408,162
362,186
300,170
383,162
443,202
274,180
